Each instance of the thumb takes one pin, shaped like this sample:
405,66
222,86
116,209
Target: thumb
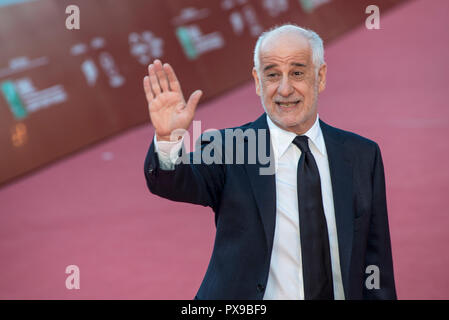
193,100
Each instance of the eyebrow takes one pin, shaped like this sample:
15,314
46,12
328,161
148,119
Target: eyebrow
296,64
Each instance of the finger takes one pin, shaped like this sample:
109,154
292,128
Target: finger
147,89
172,79
193,100
153,80
161,76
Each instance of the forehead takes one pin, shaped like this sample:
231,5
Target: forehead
283,48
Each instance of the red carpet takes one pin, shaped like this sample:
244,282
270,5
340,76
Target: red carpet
93,209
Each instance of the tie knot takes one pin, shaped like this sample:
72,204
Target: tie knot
302,143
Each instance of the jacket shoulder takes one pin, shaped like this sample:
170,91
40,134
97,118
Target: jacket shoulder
350,138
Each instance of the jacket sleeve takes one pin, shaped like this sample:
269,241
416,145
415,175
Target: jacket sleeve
191,180
378,251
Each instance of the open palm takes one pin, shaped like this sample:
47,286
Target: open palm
167,106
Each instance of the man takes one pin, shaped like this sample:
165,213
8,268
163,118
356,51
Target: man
313,228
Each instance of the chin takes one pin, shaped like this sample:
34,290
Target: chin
286,123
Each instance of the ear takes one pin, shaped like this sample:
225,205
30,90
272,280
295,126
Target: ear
256,81
322,77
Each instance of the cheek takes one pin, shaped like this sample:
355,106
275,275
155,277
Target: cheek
306,89
268,89
312,85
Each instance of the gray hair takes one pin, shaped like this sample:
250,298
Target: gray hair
316,43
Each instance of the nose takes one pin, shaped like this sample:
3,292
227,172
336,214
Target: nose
285,88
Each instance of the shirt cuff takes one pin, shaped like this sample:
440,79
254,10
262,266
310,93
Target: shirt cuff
168,152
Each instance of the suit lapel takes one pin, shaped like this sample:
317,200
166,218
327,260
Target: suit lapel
263,186
341,178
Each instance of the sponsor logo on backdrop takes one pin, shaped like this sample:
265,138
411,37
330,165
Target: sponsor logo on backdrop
23,98
189,15
145,46
195,43
241,16
275,7
105,60
22,63
237,22
255,28
229,4
110,69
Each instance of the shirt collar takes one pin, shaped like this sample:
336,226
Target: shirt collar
282,138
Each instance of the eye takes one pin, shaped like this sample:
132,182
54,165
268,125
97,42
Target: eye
297,73
271,75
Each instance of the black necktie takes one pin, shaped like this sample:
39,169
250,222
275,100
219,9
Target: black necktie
316,260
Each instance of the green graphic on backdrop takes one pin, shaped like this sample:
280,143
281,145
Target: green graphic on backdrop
186,42
12,97
310,5
4,3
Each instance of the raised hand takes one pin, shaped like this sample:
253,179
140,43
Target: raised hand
167,106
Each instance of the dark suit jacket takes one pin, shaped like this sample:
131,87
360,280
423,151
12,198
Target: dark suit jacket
244,203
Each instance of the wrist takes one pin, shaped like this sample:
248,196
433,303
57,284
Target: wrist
169,138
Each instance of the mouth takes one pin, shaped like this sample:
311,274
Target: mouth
287,104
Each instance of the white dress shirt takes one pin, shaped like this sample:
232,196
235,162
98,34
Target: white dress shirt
285,279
